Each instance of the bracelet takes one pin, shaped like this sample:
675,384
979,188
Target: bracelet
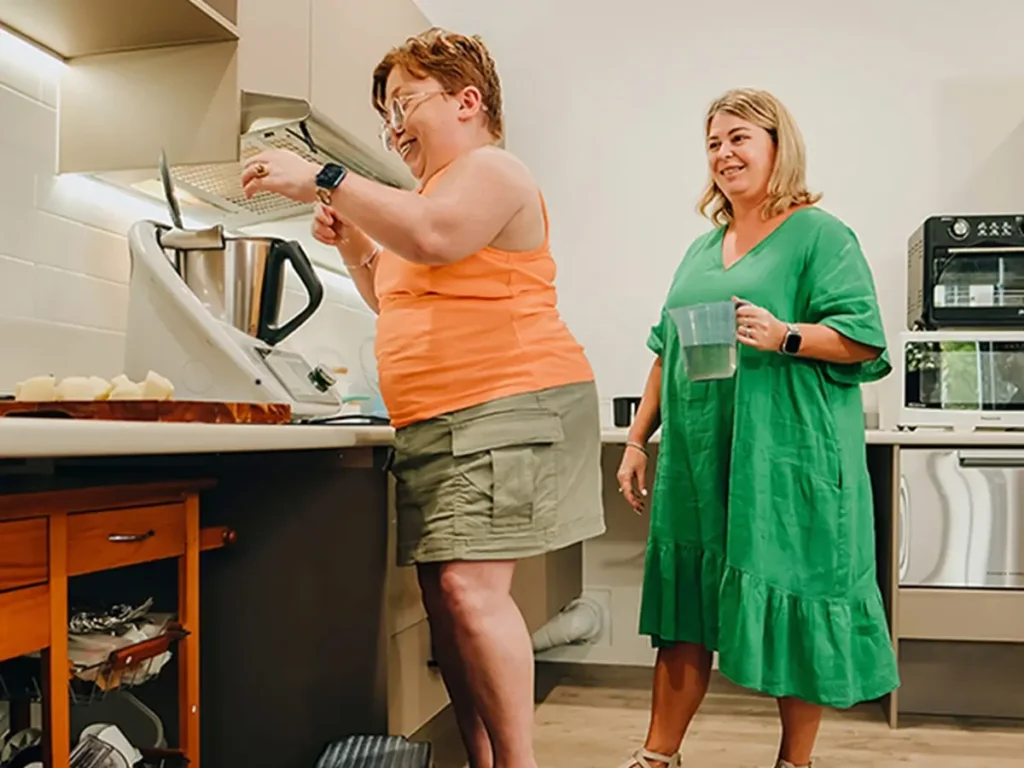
368,260
631,444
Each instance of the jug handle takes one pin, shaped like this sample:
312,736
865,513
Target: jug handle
290,251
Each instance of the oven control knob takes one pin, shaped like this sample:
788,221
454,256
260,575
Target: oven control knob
959,229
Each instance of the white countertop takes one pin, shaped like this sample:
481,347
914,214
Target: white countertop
53,438
45,438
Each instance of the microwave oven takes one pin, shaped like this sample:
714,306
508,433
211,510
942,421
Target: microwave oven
966,272
961,380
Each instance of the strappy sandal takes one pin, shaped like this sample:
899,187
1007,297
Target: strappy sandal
641,756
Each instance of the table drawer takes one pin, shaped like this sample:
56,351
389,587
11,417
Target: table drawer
99,541
23,553
24,621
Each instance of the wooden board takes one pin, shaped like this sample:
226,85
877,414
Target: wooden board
204,411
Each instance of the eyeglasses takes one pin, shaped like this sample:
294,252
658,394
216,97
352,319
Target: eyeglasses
398,110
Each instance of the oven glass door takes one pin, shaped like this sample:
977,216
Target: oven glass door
961,518
978,278
965,375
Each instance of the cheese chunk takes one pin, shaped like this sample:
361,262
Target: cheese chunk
102,387
80,388
38,389
124,389
156,387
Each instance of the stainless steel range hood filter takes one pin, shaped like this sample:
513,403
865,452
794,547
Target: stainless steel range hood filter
268,122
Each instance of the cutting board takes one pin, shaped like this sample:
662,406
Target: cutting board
201,411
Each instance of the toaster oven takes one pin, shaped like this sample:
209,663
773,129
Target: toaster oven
962,380
966,272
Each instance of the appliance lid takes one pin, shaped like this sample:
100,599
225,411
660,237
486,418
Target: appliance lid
267,122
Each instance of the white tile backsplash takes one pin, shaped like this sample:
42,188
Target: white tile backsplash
44,347
64,262
72,298
15,276
75,247
63,284
34,131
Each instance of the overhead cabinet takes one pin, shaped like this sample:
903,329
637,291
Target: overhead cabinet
118,111
74,28
274,47
140,77
145,76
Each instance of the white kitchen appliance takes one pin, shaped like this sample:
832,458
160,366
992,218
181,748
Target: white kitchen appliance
961,518
961,380
202,311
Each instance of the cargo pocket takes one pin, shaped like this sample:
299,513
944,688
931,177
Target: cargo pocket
507,460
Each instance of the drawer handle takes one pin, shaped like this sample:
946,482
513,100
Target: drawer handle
119,538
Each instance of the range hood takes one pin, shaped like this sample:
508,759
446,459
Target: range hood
268,122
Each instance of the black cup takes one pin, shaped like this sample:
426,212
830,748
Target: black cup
624,410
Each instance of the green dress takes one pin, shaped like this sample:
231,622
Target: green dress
762,541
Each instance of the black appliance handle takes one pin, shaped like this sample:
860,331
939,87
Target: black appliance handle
280,252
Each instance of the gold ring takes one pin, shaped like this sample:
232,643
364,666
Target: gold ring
261,170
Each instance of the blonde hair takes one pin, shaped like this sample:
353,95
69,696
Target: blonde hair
787,185
455,61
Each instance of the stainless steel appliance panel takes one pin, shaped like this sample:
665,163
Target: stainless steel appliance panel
961,518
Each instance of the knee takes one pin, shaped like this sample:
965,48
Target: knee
459,596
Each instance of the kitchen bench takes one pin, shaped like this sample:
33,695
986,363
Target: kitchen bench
50,536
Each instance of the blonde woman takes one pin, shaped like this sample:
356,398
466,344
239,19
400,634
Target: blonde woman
761,542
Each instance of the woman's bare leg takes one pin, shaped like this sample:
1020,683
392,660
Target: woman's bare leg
471,726
800,722
681,676
492,645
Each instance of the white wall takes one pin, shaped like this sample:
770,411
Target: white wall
908,109
64,261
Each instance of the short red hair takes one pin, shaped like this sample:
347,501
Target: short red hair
455,61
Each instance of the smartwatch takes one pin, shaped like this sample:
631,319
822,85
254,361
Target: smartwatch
792,340
328,179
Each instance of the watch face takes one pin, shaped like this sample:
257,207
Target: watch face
330,176
792,343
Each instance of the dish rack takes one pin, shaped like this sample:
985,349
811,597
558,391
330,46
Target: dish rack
124,667
94,753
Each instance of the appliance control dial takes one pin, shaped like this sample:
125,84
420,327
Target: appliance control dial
959,229
322,378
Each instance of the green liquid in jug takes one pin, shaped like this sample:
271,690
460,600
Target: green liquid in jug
710,361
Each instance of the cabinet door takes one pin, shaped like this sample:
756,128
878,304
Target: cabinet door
274,49
349,39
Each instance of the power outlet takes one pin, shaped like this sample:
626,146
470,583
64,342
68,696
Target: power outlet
602,598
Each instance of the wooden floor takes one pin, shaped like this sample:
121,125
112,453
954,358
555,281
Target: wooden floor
593,717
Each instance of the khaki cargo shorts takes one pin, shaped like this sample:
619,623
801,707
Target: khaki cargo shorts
513,478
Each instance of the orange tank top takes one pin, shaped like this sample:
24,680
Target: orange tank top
458,335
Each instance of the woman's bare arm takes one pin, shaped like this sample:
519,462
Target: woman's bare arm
466,209
358,253
819,342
